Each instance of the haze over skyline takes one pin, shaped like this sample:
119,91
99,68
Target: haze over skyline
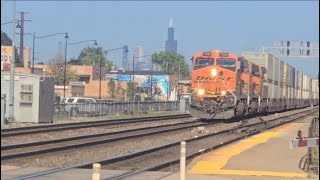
199,26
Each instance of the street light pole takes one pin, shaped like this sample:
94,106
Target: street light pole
134,90
95,44
151,83
65,67
100,76
33,44
11,92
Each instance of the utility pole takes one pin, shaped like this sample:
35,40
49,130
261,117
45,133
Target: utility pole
11,92
134,89
100,75
22,20
151,78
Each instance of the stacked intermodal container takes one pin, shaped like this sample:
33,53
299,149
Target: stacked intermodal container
283,80
315,89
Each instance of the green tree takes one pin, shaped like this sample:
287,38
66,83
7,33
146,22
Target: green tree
6,41
93,56
56,69
112,88
169,63
130,90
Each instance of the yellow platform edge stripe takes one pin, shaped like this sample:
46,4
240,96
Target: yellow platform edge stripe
255,173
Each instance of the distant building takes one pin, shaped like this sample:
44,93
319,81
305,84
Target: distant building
138,53
171,44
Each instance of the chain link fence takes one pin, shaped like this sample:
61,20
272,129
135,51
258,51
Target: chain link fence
314,152
111,108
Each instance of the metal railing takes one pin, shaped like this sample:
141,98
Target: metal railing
113,108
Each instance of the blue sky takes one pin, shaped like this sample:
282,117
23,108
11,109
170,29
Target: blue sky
199,26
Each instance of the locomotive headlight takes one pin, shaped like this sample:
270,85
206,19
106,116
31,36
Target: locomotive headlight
223,93
213,72
201,92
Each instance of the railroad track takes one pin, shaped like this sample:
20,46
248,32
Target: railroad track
60,127
153,158
42,147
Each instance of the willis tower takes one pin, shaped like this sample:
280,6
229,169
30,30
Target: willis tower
171,44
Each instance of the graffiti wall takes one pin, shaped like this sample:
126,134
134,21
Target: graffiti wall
160,83
6,56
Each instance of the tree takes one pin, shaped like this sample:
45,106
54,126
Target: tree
169,63
130,90
6,41
92,55
56,69
112,88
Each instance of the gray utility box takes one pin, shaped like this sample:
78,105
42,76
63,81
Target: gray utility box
3,108
33,97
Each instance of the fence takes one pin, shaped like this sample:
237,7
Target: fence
313,132
102,109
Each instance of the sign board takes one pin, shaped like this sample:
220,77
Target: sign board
6,56
309,142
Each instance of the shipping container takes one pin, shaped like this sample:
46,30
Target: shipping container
315,88
306,86
276,91
281,78
299,80
286,74
263,59
292,76
276,71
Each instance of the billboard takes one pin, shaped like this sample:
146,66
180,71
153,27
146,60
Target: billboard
6,56
159,82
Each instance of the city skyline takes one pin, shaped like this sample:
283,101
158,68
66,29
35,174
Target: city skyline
146,25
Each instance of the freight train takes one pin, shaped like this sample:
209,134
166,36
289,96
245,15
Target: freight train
226,86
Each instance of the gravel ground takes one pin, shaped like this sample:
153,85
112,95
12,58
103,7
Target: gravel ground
86,131
103,151
102,138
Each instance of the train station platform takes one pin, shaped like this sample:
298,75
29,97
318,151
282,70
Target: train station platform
264,156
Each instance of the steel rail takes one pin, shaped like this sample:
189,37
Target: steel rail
59,127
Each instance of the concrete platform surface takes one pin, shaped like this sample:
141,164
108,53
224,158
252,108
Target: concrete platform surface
264,156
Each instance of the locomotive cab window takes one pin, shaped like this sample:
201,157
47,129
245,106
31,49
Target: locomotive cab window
227,63
203,62
246,67
255,70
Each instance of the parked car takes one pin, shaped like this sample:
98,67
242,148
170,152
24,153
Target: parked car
80,105
79,100
105,101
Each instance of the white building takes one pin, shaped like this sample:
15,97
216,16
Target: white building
138,52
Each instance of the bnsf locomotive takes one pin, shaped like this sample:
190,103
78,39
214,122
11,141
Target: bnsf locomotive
226,86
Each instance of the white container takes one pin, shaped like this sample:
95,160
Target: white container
264,59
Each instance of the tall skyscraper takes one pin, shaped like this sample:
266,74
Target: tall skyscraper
171,44
138,52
